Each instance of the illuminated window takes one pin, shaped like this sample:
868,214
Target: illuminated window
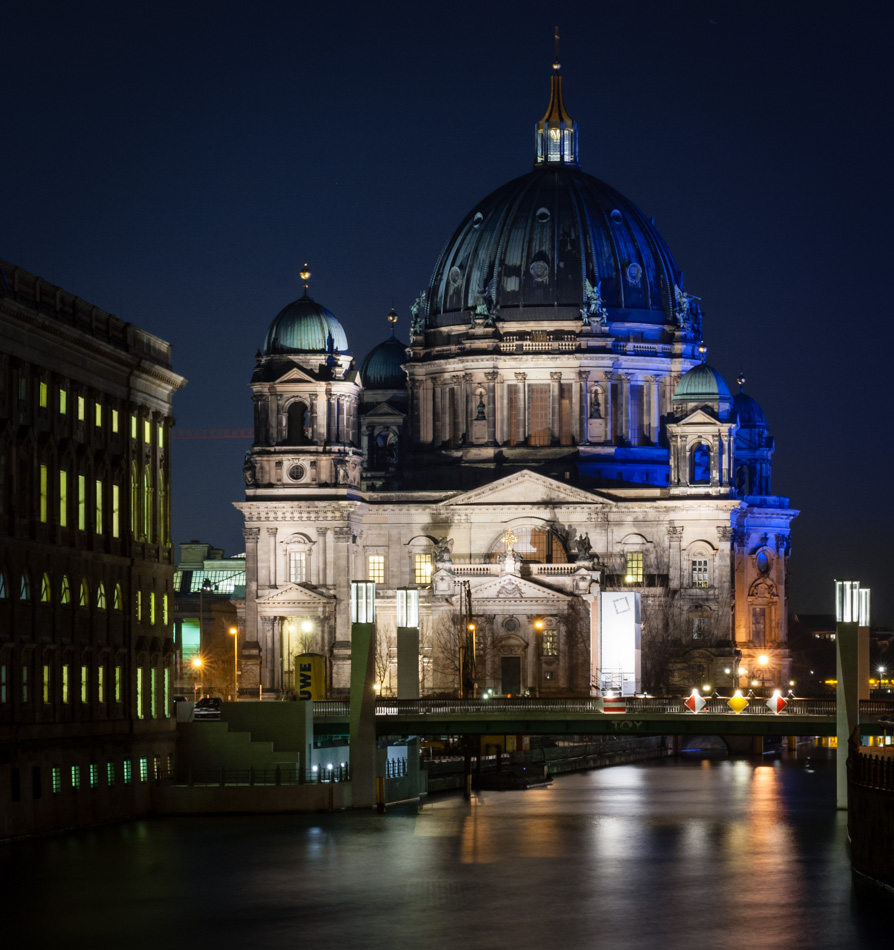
147,432
101,596
152,607
164,609
75,777
65,591
167,696
45,590
43,494
81,409
56,779
63,498
699,572
4,690
147,504
116,511
63,402
66,683
43,396
422,569
139,606
47,696
97,414
3,589
117,599
110,774
128,772
114,420
634,574
376,568
119,684
161,436
94,774
144,769
84,594
133,426
25,587
140,675
134,499
99,506
82,502
101,682
85,684
550,643
156,767
298,567
153,698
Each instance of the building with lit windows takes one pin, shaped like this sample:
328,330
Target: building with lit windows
550,435
86,563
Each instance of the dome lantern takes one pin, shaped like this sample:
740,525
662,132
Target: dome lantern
556,135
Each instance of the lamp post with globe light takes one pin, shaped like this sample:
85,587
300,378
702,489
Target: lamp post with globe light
234,633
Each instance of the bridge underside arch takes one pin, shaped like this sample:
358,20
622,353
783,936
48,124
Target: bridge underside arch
714,745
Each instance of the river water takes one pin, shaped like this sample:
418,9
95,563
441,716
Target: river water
671,854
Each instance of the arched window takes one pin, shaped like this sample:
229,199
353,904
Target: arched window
4,590
84,596
147,504
298,427
536,544
700,464
117,599
134,499
101,596
25,587
65,591
45,589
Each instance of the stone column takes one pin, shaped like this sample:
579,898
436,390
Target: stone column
251,583
468,403
321,429
716,449
608,409
271,557
522,403
723,572
319,558
492,376
654,414
269,656
555,396
624,420
436,421
674,566
260,419
583,415
341,579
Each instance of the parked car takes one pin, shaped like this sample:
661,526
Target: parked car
208,708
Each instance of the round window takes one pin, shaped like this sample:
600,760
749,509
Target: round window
763,562
297,472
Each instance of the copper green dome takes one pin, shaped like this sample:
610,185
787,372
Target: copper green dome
305,326
702,384
383,366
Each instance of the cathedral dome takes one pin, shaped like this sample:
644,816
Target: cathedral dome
702,384
383,366
748,410
305,326
529,250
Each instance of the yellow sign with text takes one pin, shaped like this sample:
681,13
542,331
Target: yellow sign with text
310,676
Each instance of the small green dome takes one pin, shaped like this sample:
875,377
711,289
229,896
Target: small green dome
702,384
305,326
383,366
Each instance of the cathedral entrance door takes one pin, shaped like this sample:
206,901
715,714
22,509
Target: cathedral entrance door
510,675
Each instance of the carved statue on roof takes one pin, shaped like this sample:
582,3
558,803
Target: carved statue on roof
417,320
593,312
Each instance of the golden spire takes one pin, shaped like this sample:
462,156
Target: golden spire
304,274
392,319
556,133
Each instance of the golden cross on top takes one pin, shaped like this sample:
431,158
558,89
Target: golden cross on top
509,539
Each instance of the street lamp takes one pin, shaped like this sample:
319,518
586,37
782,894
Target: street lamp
234,633
197,665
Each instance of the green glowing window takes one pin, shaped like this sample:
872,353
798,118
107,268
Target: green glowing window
81,409
117,599
376,568
75,777
63,498
140,677
190,639
119,685
164,609
634,573
43,395
97,414
93,771
85,684
128,772
167,697
56,779
156,767
116,511
84,595
133,426
115,420
152,607
147,432
153,698
161,436
144,769
43,494
101,682
422,569
47,695
65,591
66,683
82,502
99,506
46,594
63,402
139,606
110,774
101,596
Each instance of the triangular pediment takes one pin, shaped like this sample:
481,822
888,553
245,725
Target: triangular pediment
292,595
383,412
296,375
526,488
698,417
509,588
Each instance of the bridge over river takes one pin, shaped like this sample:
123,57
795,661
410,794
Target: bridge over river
641,716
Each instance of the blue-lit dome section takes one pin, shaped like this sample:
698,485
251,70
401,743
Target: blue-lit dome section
305,326
747,410
383,366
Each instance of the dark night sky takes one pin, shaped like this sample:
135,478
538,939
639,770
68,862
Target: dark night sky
176,163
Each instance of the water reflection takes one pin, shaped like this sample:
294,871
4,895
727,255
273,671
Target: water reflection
660,855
